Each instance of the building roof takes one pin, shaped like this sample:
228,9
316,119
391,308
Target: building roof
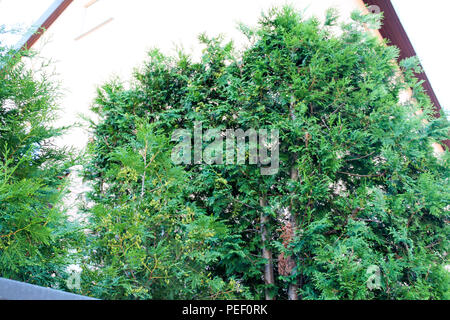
392,29
43,23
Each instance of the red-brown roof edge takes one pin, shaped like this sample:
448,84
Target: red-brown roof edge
393,30
46,24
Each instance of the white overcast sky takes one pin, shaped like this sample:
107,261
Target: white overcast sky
426,23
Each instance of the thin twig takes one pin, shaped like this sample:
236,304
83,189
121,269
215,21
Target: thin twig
361,175
362,157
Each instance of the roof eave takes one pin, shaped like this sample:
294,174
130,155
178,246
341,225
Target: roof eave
43,23
393,30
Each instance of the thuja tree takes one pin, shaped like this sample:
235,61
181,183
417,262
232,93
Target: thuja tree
146,241
35,235
365,201
358,208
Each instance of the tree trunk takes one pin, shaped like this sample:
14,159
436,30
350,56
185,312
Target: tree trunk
269,278
293,287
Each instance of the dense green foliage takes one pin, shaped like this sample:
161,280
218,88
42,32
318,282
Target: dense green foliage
147,241
35,235
357,210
